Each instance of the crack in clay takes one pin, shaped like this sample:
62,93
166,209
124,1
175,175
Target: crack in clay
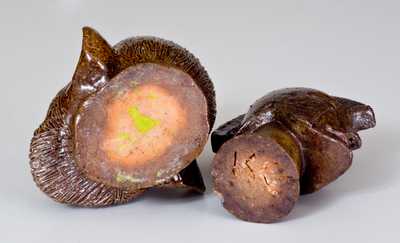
266,180
248,166
251,170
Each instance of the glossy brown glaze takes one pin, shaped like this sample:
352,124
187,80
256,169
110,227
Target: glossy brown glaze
324,127
189,178
225,132
52,151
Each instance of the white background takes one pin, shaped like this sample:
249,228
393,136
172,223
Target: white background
345,48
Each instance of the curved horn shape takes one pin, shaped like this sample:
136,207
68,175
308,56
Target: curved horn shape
96,65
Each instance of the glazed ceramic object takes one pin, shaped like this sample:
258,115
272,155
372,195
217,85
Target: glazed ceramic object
135,115
290,142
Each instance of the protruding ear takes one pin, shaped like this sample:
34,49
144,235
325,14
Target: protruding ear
94,46
96,63
358,116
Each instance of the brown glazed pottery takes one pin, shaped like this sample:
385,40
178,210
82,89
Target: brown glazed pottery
291,141
134,116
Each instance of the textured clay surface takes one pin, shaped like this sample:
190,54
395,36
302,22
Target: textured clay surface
52,153
256,178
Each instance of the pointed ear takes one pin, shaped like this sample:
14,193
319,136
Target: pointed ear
95,46
96,63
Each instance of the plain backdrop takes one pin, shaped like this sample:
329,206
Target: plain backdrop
345,48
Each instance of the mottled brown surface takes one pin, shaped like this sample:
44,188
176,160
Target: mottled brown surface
325,126
286,139
257,180
53,165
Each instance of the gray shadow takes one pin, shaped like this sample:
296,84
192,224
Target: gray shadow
170,195
204,162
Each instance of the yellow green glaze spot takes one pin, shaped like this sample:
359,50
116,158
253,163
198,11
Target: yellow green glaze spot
126,137
121,178
151,96
142,122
